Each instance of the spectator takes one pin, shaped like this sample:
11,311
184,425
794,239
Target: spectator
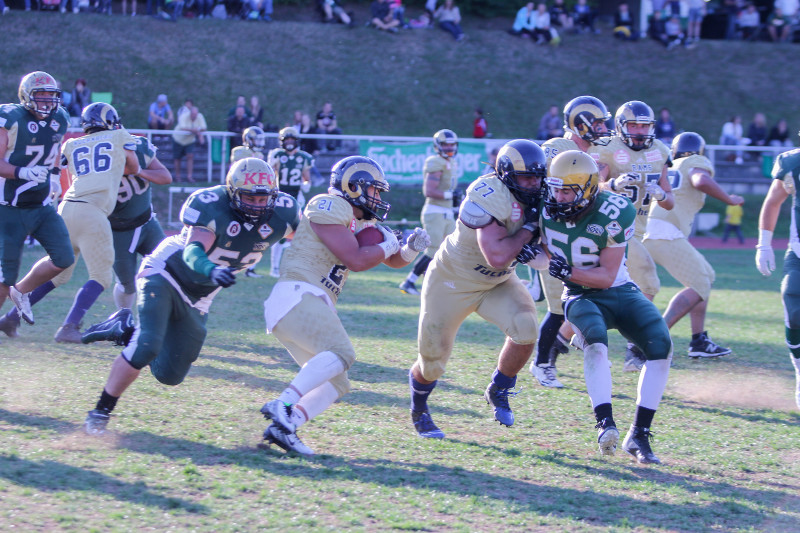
748,22
81,97
623,24
333,10
583,14
657,30
524,23
559,15
732,135
675,35
697,11
779,26
731,7
240,102
204,8
733,222
790,8
189,131
757,132
479,126
665,127
259,10
430,8
297,120
161,117
450,19
541,28
307,145
327,125
550,124
382,17
185,108
779,135
237,124
256,112
399,12
63,7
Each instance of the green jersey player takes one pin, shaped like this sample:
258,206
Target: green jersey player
30,140
586,234
227,229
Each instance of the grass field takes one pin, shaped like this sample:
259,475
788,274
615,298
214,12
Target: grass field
185,459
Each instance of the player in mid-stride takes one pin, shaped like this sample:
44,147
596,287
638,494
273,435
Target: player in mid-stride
586,234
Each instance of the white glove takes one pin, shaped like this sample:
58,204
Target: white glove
55,185
39,173
305,186
622,180
655,191
390,245
765,257
416,242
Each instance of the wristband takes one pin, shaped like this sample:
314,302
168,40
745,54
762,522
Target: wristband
407,253
16,172
765,238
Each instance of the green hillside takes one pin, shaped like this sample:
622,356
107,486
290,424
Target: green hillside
411,83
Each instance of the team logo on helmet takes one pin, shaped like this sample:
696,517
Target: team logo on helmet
517,159
360,180
252,188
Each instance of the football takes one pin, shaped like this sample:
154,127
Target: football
369,236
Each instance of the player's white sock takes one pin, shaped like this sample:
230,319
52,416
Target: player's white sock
275,254
319,369
597,373
314,403
122,299
652,381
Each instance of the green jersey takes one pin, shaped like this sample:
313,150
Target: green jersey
787,168
289,168
31,142
133,206
608,223
238,244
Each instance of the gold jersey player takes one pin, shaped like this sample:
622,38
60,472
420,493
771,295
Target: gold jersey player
585,126
474,272
667,239
301,310
636,166
439,188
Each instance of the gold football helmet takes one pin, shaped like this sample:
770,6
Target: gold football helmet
581,116
98,117
289,138
39,94
686,144
351,179
253,138
636,112
575,170
248,179
446,143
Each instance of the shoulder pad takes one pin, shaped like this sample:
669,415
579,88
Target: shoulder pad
474,216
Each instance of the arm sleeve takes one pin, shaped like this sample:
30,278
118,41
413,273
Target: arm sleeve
194,255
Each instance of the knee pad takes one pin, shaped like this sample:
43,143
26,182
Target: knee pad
659,347
791,299
526,328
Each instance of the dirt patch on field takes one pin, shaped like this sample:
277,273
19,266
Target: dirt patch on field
766,391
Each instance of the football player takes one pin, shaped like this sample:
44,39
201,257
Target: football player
136,231
785,182
227,228
30,141
253,144
586,232
438,187
585,126
96,163
636,165
301,310
474,272
667,239
293,168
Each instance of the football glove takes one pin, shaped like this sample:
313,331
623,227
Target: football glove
655,191
458,197
390,244
223,276
305,186
533,255
559,268
765,256
531,220
416,242
39,173
622,180
55,185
